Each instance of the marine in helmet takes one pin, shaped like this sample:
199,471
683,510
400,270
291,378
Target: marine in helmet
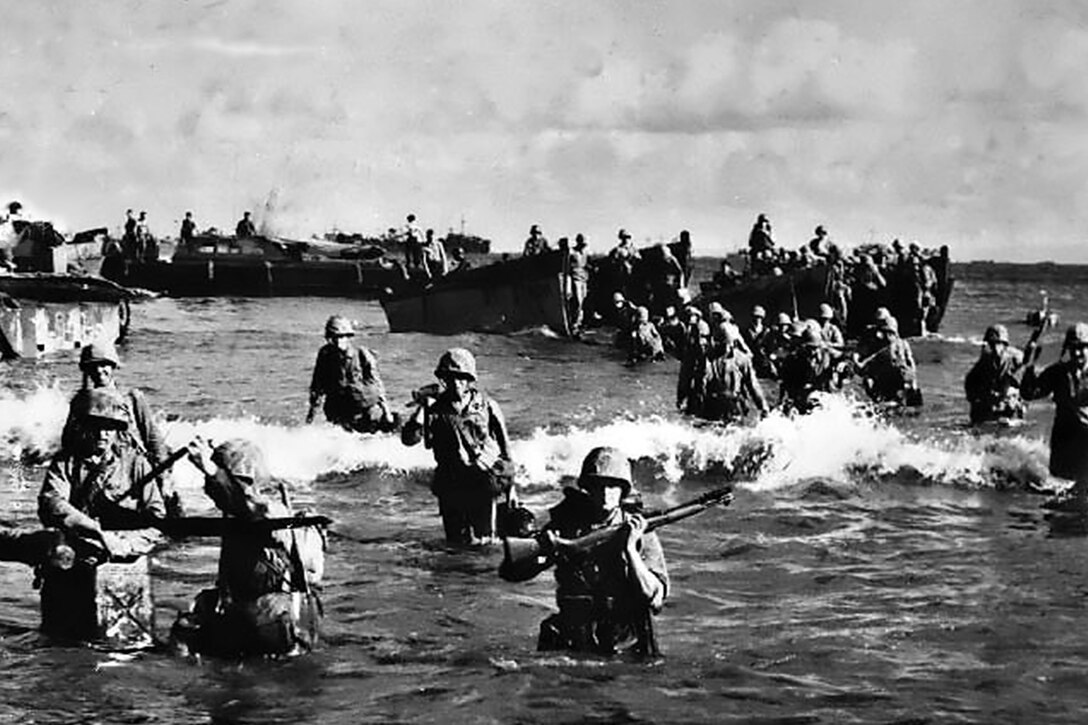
755,335
347,380
691,383
889,375
730,383
806,371
97,480
831,333
264,601
1065,382
466,431
992,384
99,363
644,341
605,603
778,343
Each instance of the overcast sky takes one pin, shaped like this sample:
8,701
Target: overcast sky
960,123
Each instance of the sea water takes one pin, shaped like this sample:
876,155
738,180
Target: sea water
871,569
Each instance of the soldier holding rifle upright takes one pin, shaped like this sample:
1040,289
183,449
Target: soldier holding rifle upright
605,601
1065,381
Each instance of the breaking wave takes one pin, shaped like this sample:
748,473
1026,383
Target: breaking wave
841,441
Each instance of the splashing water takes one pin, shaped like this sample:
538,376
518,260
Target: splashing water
841,440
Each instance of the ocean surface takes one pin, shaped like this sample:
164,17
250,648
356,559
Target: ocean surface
870,570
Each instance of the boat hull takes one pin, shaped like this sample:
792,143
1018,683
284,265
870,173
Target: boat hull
503,297
44,314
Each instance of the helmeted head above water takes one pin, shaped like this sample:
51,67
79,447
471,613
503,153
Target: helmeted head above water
242,459
457,362
606,466
1076,336
99,353
811,337
996,333
102,407
339,326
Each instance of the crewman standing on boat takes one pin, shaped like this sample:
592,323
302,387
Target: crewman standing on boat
1065,380
346,378
578,282
265,600
537,243
188,229
992,386
434,256
466,431
99,363
245,227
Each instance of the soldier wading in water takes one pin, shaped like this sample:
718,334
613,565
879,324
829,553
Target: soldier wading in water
467,433
606,601
347,379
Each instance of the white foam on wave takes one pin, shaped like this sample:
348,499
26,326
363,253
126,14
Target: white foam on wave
842,440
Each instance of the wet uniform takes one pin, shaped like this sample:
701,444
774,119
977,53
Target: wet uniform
600,608
803,373
468,475
1069,434
353,389
891,372
731,386
992,388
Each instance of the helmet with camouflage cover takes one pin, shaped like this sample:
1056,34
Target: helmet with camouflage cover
996,333
242,459
338,325
99,353
606,466
103,407
456,362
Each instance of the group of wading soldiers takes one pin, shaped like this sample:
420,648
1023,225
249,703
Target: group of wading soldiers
721,365
111,476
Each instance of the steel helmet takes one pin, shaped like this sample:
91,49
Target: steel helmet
726,333
826,313
758,311
618,298
242,460
811,337
888,324
608,466
704,328
339,325
784,318
99,353
996,333
715,309
456,362
103,406
1077,335
882,313
643,314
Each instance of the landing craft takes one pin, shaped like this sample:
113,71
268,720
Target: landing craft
799,292
44,309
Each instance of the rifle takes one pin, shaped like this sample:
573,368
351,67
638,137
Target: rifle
524,558
217,525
